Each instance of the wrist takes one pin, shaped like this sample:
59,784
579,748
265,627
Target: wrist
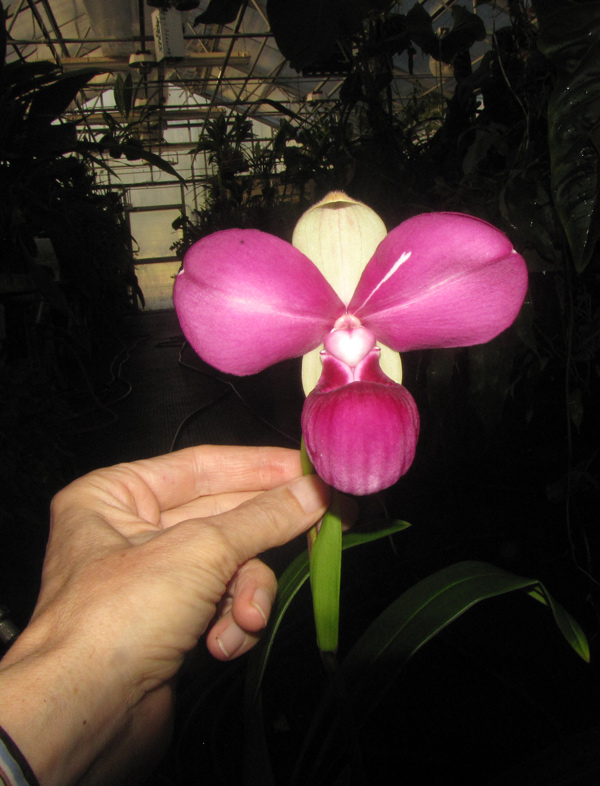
59,713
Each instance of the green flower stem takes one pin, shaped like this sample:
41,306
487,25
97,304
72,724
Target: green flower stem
325,549
307,465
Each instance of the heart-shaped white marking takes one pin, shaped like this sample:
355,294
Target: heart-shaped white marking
350,345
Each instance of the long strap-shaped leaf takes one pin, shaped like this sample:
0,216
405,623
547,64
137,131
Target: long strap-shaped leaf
432,604
412,620
406,625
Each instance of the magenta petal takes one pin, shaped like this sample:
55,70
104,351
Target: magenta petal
440,280
246,299
360,437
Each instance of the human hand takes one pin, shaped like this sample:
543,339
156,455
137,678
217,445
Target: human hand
139,559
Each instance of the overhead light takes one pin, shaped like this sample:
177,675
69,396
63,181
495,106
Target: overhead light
167,29
143,62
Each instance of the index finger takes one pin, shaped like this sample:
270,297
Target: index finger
180,477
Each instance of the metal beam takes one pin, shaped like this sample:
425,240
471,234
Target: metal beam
135,39
176,115
197,60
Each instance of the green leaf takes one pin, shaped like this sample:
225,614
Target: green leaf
257,767
220,12
308,32
110,122
431,605
20,78
132,152
420,29
570,38
52,100
281,108
568,626
377,530
125,95
52,140
290,582
325,578
467,28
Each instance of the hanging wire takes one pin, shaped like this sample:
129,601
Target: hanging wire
231,388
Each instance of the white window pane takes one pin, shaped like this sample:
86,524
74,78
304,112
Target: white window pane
153,233
156,282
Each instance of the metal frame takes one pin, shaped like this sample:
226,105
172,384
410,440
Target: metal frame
229,68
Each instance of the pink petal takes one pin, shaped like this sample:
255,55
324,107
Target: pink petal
360,437
440,280
246,299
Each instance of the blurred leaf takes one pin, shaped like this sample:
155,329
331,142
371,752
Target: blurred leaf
41,140
570,761
527,207
490,368
110,122
131,151
440,370
281,108
125,95
52,100
569,627
308,32
420,29
575,404
220,12
467,28
570,38
21,78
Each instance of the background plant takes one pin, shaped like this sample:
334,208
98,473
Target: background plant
62,311
508,468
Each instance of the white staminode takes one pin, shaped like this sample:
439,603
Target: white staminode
340,235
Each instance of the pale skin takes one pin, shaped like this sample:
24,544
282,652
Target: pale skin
143,560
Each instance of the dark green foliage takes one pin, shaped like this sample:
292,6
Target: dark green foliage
515,144
308,32
570,39
220,12
467,28
61,315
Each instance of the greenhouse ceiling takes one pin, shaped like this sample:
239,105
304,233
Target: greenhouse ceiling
230,58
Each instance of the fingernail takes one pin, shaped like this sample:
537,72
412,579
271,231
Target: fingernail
311,492
231,640
261,600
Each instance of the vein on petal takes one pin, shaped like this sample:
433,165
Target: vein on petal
403,257
425,293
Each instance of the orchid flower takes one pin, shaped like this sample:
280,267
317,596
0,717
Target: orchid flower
350,296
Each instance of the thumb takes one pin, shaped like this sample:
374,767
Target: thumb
274,517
